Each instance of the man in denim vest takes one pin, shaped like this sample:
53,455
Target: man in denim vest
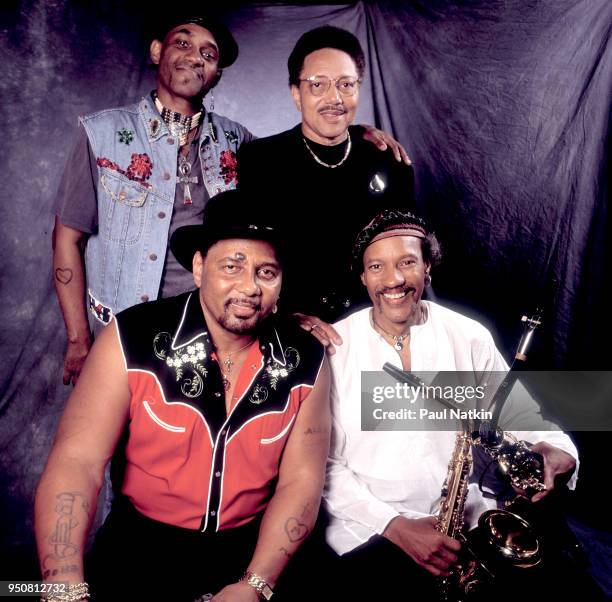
136,174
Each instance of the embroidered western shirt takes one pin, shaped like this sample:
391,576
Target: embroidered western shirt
188,462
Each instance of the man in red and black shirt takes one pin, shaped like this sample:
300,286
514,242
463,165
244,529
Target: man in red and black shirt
223,408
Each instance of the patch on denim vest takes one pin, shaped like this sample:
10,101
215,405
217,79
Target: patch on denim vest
101,312
125,136
139,169
227,167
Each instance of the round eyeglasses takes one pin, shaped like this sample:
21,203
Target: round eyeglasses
319,85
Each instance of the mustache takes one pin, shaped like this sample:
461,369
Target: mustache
243,302
336,108
395,290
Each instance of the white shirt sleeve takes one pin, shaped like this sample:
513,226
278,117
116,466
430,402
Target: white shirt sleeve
348,498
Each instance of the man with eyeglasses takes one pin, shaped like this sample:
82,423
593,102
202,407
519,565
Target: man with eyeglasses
137,173
328,182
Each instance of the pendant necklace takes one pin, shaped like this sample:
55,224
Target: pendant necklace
185,178
397,338
330,165
180,127
228,363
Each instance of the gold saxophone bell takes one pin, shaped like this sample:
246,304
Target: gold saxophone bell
511,537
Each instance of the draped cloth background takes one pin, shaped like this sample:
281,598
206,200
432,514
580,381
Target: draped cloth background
503,105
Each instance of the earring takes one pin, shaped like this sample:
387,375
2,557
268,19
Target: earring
212,101
275,308
427,279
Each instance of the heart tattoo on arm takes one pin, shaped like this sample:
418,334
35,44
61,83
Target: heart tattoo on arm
296,531
63,275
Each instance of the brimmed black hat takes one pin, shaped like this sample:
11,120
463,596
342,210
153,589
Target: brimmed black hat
229,214
228,48
390,222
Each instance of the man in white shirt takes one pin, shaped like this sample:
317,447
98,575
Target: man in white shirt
383,488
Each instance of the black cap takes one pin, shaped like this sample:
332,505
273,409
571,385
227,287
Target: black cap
229,214
228,48
390,222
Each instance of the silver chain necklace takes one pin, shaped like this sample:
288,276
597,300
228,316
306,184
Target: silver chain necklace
228,362
346,154
397,338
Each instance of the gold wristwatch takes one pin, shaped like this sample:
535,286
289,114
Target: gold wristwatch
259,584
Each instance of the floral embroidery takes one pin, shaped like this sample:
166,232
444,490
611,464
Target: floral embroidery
139,170
104,162
185,361
125,136
161,344
259,395
228,164
275,370
189,358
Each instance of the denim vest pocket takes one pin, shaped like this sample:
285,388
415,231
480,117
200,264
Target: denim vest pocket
122,220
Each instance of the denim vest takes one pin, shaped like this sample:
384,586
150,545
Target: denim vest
137,165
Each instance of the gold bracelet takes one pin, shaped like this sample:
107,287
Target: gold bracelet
258,583
73,593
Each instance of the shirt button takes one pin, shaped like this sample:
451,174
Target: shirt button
213,513
223,433
323,299
170,140
218,474
167,176
161,215
217,394
346,303
153,257
144,298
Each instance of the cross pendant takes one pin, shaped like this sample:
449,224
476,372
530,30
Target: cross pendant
228,363
185,179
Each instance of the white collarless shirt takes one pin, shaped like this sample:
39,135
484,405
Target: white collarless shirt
374,476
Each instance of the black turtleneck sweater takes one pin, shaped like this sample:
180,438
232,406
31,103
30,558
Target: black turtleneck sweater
321,211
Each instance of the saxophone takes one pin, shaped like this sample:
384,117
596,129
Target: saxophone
469,576
502,541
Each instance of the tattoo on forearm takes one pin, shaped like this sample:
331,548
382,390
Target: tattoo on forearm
64,549
295,530
286,552
314,431
62,570
63,275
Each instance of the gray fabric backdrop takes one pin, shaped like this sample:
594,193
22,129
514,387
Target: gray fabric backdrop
504,107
